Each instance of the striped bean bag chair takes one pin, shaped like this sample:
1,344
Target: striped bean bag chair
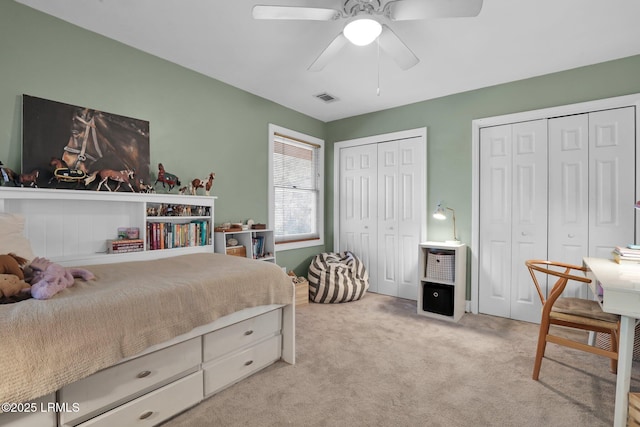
337,277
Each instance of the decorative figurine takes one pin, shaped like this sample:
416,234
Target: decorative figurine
121,177
7,175
145,188
199,183
166,178
29,178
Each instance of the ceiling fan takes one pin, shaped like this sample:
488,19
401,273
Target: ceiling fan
365,23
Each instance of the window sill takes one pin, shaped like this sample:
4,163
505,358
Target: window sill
299,244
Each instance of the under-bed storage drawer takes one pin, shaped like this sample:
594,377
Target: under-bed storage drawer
115,385
230,369
241,334
155,407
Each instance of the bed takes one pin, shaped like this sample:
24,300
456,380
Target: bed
143,341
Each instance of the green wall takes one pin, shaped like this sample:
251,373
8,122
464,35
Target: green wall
448,121
198,124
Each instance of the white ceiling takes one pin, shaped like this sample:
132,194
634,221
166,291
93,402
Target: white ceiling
509,40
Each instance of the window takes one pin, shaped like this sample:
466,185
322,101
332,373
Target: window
296,204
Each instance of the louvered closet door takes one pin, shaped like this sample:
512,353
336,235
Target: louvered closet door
358,205
513,217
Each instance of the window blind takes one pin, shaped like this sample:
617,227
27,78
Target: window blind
296,189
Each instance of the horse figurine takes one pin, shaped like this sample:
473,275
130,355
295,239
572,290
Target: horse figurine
199,183
145,188
121,177
166,178
7,175
29,178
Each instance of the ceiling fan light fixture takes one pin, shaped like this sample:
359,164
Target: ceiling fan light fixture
362,31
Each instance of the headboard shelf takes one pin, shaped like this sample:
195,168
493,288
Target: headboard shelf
72,227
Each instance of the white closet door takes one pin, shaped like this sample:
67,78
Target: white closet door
529,214
513,217
411,206
611,180
358,206
401,195
388,270
495,221
569,193
382,211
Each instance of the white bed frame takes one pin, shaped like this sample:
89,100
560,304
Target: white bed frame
167,378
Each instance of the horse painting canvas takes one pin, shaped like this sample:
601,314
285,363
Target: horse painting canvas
83,142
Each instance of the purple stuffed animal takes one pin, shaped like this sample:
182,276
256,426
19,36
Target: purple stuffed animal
50,278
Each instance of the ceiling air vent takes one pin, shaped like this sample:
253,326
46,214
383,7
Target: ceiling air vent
326,97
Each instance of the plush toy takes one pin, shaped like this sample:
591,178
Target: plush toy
11,275
50,278
12,264
11,285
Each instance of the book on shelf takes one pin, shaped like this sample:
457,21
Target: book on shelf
258,247
115,246
168,235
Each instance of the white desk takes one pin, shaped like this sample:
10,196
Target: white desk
621,295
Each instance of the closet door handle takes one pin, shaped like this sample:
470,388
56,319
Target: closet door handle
571,236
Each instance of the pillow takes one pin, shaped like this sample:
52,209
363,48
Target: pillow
12,236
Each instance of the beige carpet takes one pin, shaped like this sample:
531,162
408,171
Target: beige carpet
375,362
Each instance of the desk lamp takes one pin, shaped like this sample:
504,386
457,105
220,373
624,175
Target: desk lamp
442,215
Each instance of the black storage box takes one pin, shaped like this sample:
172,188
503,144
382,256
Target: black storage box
438,298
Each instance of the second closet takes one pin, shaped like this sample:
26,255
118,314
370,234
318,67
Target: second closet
560,188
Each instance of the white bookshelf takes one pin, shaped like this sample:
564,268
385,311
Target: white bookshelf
65,225
247,239
442,290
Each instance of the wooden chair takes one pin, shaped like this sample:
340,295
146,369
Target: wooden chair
571,312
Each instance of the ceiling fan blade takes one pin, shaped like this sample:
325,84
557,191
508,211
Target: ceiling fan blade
327,55
293,12
391,44
403,10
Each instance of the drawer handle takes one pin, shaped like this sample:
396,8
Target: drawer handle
248,332
144,374
146,415
248,363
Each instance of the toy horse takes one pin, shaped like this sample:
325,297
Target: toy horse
7,175
29,178
198,183
166,178
121,177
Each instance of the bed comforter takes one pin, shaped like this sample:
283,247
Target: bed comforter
130,306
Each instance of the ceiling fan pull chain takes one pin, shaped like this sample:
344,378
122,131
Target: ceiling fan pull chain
378,91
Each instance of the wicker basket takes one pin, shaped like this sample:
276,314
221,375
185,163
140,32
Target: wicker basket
603,341
633,420
441,266
302,289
